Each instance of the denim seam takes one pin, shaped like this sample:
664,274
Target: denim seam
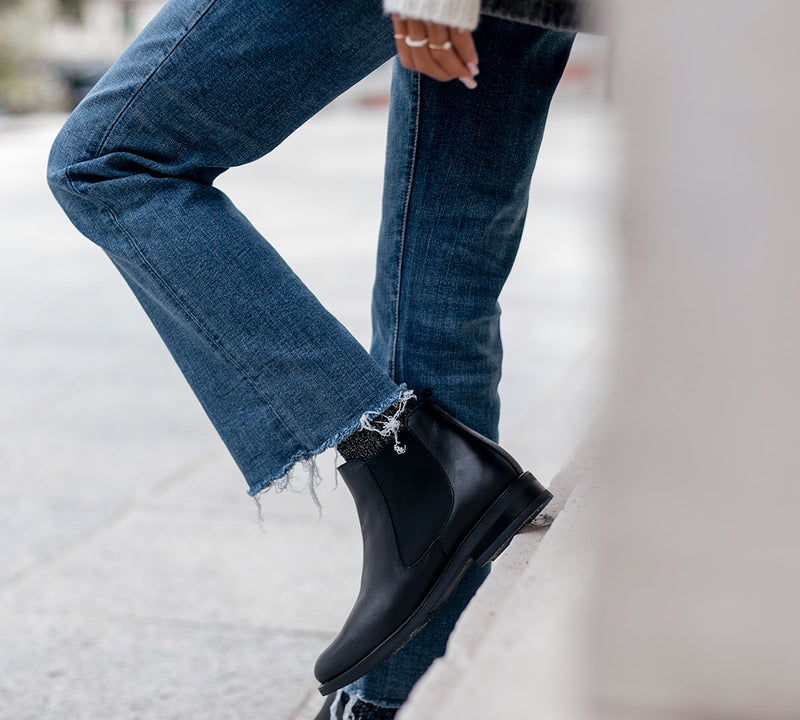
404,223
147,80
163,283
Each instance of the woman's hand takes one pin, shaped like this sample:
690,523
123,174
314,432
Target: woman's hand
440,51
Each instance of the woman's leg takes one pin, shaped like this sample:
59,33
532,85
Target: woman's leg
211,84
458,171
456,190
208,85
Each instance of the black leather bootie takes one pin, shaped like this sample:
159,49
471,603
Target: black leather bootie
443,497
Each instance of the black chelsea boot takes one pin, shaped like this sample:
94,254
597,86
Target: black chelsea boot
443,497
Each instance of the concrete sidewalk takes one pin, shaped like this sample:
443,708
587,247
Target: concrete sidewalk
134,580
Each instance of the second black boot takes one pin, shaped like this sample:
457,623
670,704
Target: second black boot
437,500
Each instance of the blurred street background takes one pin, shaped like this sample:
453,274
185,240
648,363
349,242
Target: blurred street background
134,580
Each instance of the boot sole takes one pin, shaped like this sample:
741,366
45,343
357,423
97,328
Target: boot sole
522,501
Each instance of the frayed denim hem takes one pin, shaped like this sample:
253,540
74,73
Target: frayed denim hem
283,479
355,690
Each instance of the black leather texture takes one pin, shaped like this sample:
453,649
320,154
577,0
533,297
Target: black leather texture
418,512
420,505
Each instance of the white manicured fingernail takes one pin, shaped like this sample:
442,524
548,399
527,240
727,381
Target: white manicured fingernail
469,82
473,68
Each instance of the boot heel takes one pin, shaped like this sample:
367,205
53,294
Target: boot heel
521,502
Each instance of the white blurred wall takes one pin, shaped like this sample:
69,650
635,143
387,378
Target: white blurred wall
104,30
50,55
696,599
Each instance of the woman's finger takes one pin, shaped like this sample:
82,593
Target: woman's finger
444,55
422,61
464,47
400,34
439,51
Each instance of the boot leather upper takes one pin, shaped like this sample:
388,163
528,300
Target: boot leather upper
414,509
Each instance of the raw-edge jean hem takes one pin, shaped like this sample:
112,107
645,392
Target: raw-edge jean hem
331,442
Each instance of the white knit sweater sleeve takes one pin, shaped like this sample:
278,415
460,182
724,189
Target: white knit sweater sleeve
458,13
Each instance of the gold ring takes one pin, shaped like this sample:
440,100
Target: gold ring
447,46
399,37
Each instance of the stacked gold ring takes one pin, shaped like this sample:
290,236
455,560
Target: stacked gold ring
422,43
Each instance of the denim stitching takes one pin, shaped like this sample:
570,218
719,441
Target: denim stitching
404,223
146,81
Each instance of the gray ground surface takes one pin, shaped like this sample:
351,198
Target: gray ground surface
134,582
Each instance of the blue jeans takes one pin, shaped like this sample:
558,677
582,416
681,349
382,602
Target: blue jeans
456,188
211,84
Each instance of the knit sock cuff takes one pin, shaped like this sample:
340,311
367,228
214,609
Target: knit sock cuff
379,432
